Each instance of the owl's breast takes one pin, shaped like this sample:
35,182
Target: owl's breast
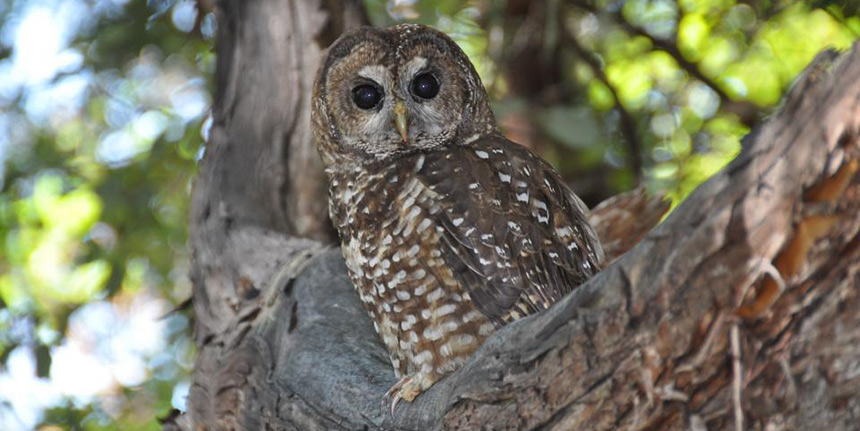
392,243
362,200
375,212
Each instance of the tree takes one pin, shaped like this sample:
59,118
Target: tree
738,312
103,114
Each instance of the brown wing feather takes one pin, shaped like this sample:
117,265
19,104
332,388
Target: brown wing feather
514,235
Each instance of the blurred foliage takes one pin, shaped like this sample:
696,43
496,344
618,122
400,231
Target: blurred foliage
616,92
102,105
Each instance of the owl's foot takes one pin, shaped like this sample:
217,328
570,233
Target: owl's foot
407,389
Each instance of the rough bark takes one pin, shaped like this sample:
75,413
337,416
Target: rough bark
258,200
741,309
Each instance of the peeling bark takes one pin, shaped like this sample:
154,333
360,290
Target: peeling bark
741,308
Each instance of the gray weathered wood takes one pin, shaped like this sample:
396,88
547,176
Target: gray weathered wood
284,343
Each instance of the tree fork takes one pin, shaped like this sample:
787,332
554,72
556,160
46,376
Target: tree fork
740,309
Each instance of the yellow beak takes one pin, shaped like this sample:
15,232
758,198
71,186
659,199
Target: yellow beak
400,120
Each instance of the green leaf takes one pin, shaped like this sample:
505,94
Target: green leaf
693,32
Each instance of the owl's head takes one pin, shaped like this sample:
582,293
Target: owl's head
383,93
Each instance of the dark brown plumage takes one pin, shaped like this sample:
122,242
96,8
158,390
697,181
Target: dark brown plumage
448,229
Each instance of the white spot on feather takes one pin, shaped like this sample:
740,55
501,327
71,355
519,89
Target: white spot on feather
450,326
435,295
445,310
433,333
408,321
424,224
424,357
471,139
486,329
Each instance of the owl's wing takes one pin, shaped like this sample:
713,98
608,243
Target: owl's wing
516,238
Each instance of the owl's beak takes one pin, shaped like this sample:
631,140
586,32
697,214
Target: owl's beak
400,120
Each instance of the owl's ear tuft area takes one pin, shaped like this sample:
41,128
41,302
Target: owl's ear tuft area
345,44
343,47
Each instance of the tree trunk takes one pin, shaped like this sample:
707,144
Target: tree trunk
740,311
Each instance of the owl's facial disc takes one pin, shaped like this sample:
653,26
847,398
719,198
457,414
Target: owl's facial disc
396,106
382,93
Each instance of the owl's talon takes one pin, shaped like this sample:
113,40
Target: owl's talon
406,389
394,403
394,393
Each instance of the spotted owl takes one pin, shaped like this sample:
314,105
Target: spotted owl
448,229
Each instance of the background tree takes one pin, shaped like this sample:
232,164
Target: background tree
101,134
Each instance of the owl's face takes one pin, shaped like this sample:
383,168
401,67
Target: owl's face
381,93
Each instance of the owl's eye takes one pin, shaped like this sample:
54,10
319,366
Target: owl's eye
425,86
366,96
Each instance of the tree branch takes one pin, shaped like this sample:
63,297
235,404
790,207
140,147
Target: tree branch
748,112
285,344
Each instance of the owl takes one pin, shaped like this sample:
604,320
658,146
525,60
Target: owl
448,229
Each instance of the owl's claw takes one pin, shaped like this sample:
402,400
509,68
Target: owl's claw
396,399
406,389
